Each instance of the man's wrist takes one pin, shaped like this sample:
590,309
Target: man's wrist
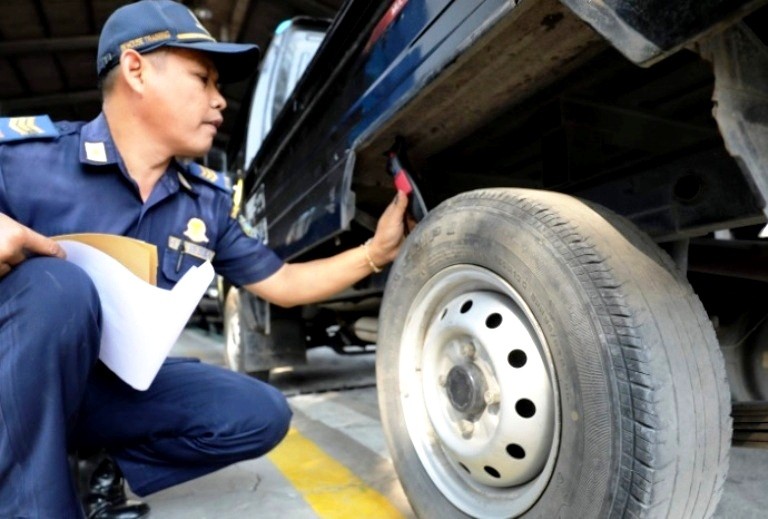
369,258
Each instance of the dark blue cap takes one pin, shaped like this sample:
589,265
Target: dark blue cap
148,25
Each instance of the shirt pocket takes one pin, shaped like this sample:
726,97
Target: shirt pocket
177,262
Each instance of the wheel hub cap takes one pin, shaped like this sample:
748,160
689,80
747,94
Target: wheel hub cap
466,387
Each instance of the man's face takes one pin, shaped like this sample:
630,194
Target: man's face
184,104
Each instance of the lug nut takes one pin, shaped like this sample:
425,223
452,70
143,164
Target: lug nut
442,380
468,350
491,397
467,428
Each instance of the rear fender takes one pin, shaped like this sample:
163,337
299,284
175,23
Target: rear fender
646,31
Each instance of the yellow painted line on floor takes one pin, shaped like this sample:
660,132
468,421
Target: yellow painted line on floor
331,489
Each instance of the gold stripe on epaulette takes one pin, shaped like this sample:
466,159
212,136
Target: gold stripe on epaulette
24,126
194,35
208,174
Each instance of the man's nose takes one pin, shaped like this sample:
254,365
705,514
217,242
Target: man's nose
218,102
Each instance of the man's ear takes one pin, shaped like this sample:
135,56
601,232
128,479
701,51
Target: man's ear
133,69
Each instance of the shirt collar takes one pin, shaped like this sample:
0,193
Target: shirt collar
181,178
96,144
98,148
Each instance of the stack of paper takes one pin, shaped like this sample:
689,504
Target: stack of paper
141,322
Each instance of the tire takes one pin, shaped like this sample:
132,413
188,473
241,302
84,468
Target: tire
251,351
532,361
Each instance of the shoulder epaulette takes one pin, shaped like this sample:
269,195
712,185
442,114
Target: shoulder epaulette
24,128
212,177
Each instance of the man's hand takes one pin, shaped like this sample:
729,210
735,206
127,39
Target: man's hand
313,281
17,241
390,231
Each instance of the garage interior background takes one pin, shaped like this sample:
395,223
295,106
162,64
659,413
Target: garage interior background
48,50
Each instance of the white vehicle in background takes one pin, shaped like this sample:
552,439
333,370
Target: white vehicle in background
292,47
294,43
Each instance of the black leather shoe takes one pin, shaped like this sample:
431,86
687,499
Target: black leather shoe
106,497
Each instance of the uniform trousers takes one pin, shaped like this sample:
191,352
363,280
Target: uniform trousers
56,397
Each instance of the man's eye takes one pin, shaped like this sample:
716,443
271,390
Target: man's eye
203,78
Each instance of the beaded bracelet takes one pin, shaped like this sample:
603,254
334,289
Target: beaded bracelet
373,265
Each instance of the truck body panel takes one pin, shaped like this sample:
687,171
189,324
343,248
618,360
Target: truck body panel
460,80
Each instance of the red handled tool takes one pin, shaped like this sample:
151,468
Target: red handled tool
403,182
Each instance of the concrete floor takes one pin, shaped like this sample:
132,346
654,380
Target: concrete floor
342,421
259,488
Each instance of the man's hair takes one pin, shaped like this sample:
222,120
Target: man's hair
107,81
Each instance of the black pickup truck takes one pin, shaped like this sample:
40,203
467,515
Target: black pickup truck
577,328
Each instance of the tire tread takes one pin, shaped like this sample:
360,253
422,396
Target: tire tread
648,489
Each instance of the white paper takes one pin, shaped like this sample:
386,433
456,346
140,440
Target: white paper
140,322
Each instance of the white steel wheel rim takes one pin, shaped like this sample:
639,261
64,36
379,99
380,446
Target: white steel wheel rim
478,392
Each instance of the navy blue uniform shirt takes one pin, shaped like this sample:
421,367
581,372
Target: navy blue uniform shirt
77,182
